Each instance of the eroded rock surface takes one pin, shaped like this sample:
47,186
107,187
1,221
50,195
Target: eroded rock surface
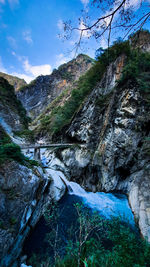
36,96
24,194
12,114
114,124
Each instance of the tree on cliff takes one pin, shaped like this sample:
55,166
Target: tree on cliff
108,18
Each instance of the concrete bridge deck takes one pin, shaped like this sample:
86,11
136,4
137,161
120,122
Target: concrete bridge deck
35,146
38,147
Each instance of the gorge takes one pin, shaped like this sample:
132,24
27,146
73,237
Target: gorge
95,117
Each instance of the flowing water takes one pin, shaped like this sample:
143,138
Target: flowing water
106,204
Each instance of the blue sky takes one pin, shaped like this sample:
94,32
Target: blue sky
29,43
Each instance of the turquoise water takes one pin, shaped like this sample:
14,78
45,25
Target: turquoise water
108,205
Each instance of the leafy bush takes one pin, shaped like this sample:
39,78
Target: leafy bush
136,72
103,100
94,242
10,151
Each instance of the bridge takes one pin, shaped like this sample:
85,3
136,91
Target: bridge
37,147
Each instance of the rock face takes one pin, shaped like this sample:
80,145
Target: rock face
24,194
12,114
42,91
110,132
114,126
141,40
14,81
116,137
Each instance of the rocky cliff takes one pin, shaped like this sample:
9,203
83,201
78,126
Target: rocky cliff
12,114
24,194
113,125
25,188
104,114
42,91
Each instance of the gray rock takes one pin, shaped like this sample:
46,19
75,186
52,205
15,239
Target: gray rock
24,195
44,89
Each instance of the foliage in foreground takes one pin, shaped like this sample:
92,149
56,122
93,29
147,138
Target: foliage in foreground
94,242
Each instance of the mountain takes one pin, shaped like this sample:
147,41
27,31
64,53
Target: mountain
107,114
44,89
100,121
13,80
25,189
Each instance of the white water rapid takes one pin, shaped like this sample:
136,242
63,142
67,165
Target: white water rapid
107,204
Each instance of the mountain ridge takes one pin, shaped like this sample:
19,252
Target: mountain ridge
44,89
13,80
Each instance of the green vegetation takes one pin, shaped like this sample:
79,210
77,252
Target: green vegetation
28,86
103,100
94,241
62,115
13,220
136,74
146,146
10,151
14,81
67,76
52,105
27,134
9,99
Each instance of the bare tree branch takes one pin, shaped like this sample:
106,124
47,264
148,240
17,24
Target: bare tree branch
117,14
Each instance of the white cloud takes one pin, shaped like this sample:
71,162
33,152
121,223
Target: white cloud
13,2
85,2
104,42
27,36
134,3
85,34
27,78
17,56
30,72
37,69
60,24
12,41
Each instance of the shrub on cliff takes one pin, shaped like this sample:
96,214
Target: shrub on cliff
93,242
10,151
136,72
